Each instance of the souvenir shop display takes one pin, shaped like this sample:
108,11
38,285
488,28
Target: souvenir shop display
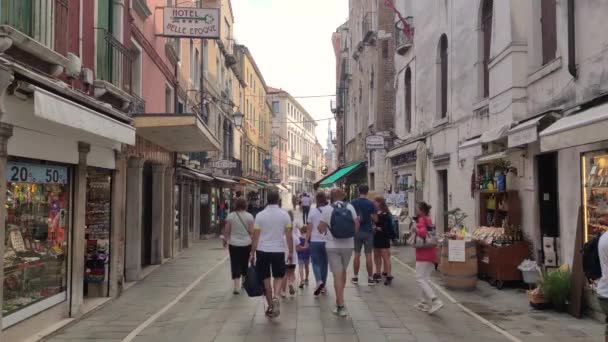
36,243
97,230
596,195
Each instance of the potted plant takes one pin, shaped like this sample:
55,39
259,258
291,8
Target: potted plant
555,286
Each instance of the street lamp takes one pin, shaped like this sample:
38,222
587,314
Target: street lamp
238,119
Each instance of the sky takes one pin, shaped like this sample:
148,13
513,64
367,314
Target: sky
290,41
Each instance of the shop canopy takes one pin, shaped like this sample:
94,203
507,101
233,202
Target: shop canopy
329,181
248,182
260,183
586,127
225,180
194,173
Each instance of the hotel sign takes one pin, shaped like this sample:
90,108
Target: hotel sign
189,22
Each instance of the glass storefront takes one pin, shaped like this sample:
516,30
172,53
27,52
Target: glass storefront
595,193
36,245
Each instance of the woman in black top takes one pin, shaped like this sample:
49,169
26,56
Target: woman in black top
382,241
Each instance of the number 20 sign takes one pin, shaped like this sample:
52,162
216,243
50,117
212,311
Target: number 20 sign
36,173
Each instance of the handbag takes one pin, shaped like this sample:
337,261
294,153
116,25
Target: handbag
252,282
429,241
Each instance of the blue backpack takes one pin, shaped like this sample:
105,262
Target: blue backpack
342,225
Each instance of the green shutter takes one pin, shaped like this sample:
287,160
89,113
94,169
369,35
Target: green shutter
18,14
104,24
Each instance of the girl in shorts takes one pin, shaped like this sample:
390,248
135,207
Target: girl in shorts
303,251
290,268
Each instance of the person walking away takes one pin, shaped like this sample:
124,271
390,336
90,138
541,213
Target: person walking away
305,207
272,232
303,252
341,224
290,265
237,235
602,284
318,252
383,234
365,236
425,262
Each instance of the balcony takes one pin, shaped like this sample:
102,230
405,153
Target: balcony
36,31
404,35
113,83
137,106
369,27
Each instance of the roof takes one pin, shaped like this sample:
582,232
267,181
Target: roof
245,50
275,91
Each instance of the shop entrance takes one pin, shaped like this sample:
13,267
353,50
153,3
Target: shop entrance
548,195
442,182
146,219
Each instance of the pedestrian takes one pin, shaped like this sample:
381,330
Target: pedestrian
303,252
383,233
340,217
290,265
294,201
305,207
237,235
602,284
318,252
272,232
364,240
425,262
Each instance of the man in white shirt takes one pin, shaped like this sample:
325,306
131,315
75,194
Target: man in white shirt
318,253
339,251
305,207
602,284
271,238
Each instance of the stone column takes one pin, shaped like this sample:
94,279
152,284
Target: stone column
6,132
117,239
184,215
169,209
78,236
158,212
135,169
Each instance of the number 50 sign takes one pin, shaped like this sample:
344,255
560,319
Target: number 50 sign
36,173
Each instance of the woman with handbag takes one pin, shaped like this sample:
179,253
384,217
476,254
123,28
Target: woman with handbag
425,243
237,235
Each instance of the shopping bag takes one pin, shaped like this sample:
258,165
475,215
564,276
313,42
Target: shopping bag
252,283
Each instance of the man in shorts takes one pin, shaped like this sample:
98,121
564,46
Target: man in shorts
339,251
272,231
365,236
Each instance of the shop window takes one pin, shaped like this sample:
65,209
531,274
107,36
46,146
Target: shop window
37,236
595,193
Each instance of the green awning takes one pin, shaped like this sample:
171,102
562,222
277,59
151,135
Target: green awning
260,183
329,181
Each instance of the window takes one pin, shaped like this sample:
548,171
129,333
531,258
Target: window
275,107
180,106
372,181
486,31
408,100
168,99
137,70
443,76
192,70
205,55
548,27
197,69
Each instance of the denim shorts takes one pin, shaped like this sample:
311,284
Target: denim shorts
365,241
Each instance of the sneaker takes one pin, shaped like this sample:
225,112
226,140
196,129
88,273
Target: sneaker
388,280
340,311
301,285
306,282
320,288
235,292
269,313
422,306
371,281
437,305
292,290
324,291
377,277
355,280
276,307
283,295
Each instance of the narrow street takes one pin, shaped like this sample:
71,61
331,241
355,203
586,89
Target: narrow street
190,299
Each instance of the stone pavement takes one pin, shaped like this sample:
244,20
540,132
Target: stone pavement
209,312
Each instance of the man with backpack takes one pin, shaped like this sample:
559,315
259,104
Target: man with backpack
340,224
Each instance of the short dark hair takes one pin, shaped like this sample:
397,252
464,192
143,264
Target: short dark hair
424,207
240,204
321,198
272,197
363,189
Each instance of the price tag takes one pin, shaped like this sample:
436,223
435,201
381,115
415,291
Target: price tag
36,173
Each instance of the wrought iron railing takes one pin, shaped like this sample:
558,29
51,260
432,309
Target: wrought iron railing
45,21
138,105
113,60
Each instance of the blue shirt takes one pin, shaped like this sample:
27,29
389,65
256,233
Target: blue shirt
365,209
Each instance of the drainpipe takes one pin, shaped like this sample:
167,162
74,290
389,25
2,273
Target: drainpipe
571,40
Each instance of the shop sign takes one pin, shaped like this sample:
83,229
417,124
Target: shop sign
36,173
374,142
223,164
405,158
186,22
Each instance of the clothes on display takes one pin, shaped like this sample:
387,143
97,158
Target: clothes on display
596,194
97,231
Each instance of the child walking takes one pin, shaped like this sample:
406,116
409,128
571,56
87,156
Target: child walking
290,268
303,251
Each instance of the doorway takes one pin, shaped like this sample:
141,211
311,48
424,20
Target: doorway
146,219
442,182
548,195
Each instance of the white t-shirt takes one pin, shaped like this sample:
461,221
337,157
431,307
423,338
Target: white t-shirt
305,201
602,284
330,241
272,223
295,235
239,235
314,218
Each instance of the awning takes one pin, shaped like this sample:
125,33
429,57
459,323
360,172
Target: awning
491,157
195,173
470,148
403,149
586,127
282,188
494,134
59,110
176,132
248,182
524,133
225,180
329,181
260,183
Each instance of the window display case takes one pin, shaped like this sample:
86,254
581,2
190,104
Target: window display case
595,193
36,245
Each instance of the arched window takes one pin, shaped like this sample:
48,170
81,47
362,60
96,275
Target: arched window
443,76
486,30
408,100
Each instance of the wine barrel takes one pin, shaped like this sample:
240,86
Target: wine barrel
460,275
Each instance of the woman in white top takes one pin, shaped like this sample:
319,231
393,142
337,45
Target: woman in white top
237,235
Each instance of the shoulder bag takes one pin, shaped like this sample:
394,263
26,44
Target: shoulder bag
429,241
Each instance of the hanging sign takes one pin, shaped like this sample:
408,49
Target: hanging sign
374,142
36,173
189,22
